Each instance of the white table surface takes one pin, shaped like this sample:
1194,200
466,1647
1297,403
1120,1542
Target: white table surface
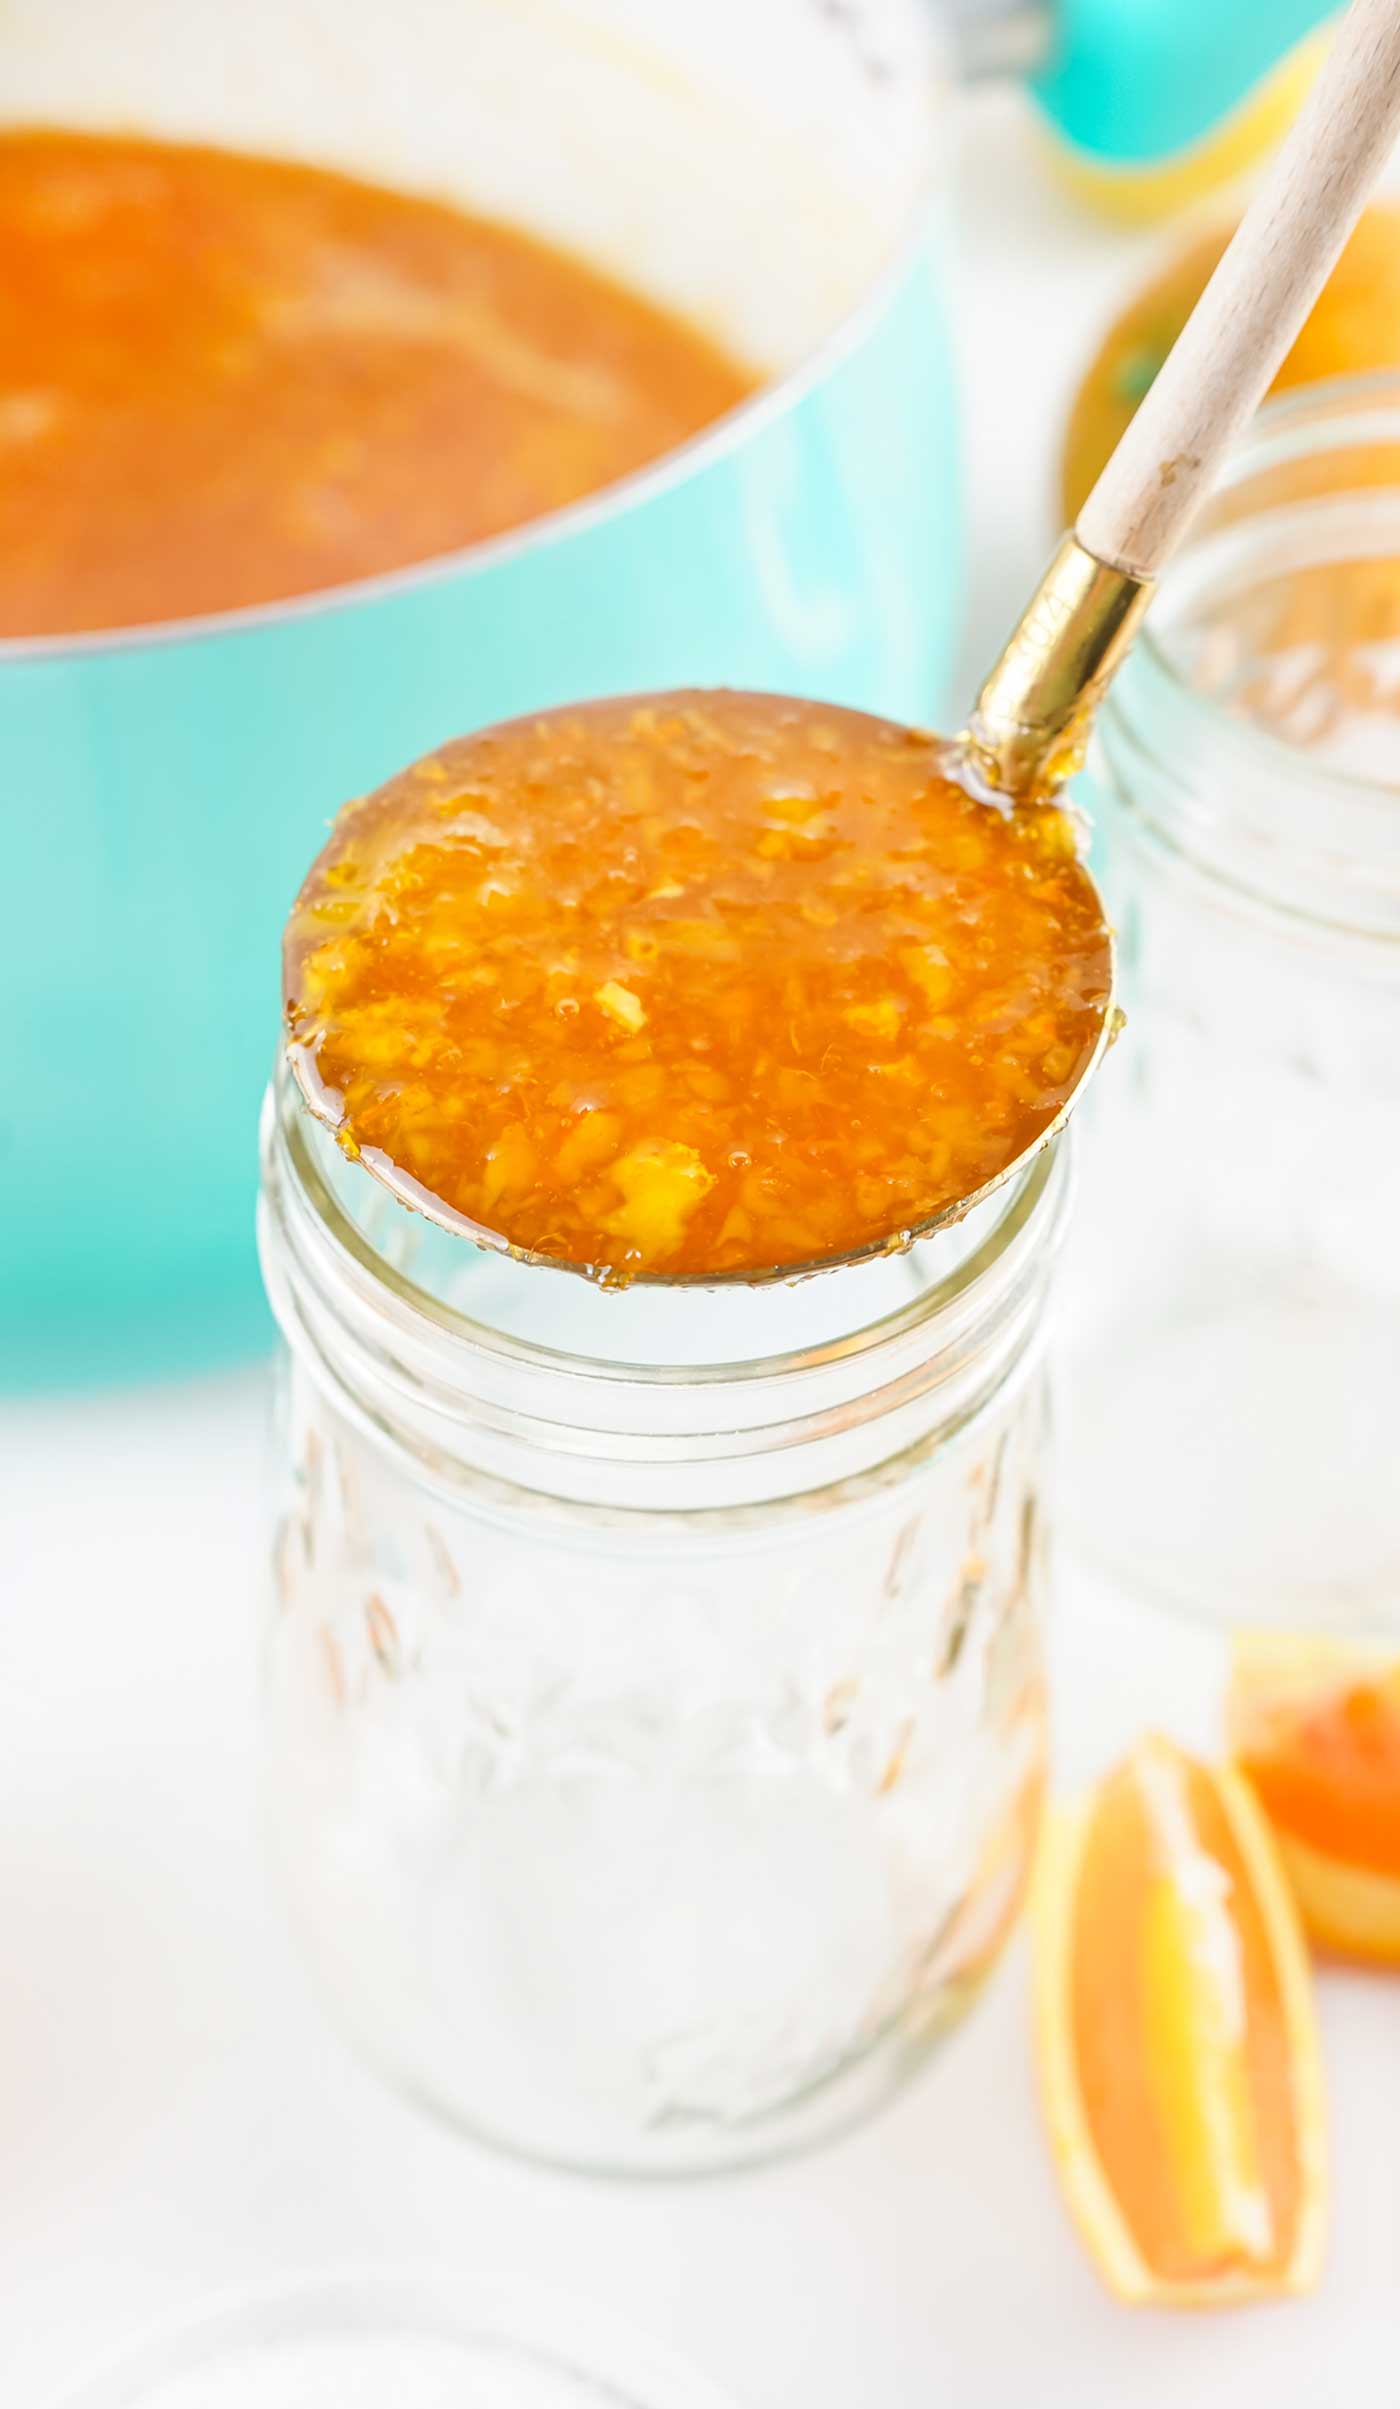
175,2116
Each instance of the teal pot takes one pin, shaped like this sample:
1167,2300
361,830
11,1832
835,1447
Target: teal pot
766,171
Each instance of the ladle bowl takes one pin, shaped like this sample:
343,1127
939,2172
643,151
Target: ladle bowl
597,747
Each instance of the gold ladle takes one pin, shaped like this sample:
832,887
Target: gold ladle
1030,726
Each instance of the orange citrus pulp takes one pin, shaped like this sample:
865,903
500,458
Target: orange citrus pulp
1314,1725
1176,2040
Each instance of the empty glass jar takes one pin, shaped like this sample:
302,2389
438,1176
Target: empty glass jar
1230,1386
655,1722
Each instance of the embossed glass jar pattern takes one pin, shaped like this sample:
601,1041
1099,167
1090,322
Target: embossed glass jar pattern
655,1721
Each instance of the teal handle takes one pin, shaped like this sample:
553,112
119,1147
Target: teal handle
1133,81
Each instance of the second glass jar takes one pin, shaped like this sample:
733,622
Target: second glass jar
1230,1371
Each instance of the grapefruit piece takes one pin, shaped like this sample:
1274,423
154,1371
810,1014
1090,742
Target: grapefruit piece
1176,2039
1314,1726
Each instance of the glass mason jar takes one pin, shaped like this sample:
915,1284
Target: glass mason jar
1229,1374
655,1718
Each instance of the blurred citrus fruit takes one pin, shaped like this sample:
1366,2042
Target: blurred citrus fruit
1354,326
1175,2035
1314,1725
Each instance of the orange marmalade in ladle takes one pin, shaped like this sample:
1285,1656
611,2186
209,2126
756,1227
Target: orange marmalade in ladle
697,986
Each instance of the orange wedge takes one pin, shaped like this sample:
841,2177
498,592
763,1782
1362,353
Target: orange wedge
1314,1725
1176,2040
1354,328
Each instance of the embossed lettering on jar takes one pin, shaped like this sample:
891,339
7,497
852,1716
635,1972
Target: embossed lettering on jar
655,1724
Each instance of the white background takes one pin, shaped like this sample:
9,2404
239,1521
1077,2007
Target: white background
175,2116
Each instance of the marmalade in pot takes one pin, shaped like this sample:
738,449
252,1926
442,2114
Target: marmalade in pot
226,379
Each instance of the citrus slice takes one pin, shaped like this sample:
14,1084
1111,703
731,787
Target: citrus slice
1176,2040
1314,1725
1354,328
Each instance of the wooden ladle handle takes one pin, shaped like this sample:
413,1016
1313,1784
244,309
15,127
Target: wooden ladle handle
1235,340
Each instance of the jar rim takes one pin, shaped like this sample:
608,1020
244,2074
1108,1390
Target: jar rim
1039,1187
687,1447
1336,413
1280,830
